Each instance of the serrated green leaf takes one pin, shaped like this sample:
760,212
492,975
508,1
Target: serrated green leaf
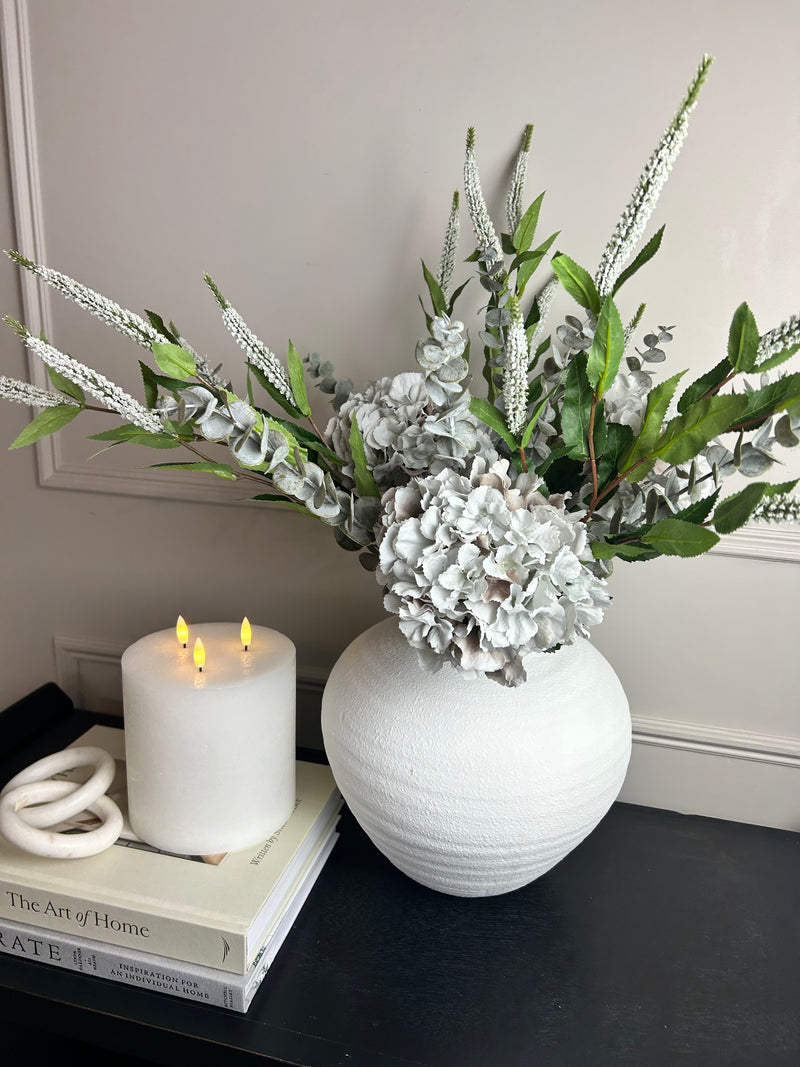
309,441
365,483
619,439
576,408
673,537
269,388
524,233
297,380
221,470
158,324
276,498
64,385
493,418
700,510
527,269
780,489
743,340
173,360
152,381
710,380
643,257
777,359
687,434
734,511
577,281
46,422
658,401
775,397
607,348
437,297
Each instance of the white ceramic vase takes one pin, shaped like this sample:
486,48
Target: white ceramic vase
467,786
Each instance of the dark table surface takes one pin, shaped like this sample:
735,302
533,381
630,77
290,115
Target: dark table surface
662,939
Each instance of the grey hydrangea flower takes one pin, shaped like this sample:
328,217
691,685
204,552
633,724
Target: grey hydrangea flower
482,571
404,434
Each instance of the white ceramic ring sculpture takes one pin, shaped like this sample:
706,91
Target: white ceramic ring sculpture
36,829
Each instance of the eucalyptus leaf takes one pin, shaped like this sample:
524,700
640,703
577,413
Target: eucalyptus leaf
46,422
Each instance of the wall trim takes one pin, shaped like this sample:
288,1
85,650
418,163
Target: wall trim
71,653
754,542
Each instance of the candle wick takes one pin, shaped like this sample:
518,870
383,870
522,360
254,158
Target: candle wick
200,669
184,644
246,647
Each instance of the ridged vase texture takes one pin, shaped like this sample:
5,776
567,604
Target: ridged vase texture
470,787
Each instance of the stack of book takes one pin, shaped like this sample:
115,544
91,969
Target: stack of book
206,928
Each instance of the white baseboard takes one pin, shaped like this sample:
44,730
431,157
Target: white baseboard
681,766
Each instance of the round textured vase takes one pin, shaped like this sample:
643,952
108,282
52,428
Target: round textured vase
467,786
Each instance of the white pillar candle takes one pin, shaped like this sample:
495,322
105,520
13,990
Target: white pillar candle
210,754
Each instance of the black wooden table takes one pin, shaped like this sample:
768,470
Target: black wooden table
663,939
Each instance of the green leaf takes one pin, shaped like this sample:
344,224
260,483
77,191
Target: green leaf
673,537
152,381
629,552
309,441
46,422
658,401
222,470
456,294
297,381
577,281
132,434
700,510
526,269
734,511
365,483
576,408
687,434
64,385
269,388
524,233
173,360
437,297
710,380
158,324
781,489
778,358
493,418
607,348
775,397
619,439
532,395
643,257
276,498
743,340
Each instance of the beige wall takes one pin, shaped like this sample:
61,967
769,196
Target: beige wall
305,155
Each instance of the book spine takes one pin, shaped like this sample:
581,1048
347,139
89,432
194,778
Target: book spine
156,973
126,928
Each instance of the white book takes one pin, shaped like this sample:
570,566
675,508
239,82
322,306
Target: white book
207,985
215,910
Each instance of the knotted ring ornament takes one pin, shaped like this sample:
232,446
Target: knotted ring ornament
35,808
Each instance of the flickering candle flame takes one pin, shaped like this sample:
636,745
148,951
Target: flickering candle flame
182,631
247,633
199,654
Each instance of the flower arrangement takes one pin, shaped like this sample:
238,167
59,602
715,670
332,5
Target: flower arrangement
493,521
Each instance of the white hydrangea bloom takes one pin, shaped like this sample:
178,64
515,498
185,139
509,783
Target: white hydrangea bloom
403,432
483,571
